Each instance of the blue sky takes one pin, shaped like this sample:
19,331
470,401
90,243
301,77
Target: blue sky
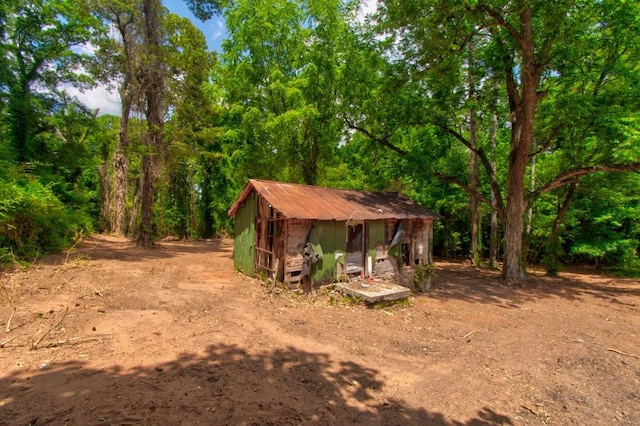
108,101
213,29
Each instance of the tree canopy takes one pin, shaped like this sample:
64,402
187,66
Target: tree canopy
517,120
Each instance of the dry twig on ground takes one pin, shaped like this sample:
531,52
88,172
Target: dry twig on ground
623,353
8,329
79,239
7,341
79,340
35,345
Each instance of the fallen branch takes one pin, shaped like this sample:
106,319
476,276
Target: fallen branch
623,353
469,334
7,341
8,329
78,340
35,345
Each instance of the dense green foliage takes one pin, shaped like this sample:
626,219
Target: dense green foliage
46,183
310,91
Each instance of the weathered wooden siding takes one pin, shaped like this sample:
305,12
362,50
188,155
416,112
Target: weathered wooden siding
296,233
419,240
422,235
329,239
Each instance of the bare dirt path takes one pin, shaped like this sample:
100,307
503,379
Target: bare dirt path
112,334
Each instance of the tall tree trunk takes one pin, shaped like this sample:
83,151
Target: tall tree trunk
121,169
153,80
194,218
513,268
532,184
523,109
105,197
145,232
121,158
135,209
533,188
475,203
206,199
553,251
494,244
473,164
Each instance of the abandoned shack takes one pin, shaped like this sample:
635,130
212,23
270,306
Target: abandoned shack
294,233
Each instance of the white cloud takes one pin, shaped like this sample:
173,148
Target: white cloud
214,30
217,28
85,49
367,8
101,97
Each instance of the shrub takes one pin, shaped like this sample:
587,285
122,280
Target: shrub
34,221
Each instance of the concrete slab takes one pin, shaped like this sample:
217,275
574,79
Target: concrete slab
372,292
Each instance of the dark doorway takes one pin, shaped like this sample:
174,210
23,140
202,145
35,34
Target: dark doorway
355,248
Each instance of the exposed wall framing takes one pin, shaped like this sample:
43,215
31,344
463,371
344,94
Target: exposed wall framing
269,240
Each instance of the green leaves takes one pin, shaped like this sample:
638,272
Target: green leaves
42,43
278,75
46,189
34,221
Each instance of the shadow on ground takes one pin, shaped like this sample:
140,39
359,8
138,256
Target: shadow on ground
104,247
454,279
227,385
457,280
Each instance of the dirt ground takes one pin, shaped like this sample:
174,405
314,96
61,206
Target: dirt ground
112,334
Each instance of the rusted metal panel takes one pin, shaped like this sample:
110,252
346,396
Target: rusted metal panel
295,201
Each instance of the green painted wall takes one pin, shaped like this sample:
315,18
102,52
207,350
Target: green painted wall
376,234
329,238
245,236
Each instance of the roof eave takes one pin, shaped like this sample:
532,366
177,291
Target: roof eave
243,195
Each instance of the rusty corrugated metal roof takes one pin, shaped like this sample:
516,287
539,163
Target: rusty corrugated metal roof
297,201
